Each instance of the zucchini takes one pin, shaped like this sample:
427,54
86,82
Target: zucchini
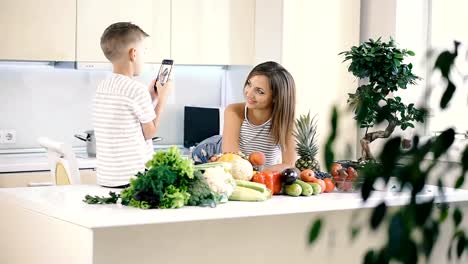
247,195
307,190
293,189
317,189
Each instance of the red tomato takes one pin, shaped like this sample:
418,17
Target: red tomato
352,174
308,175
334,169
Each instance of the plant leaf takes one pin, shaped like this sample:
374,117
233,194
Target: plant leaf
460,181
315,231
461,243
378,215
464,160
329,154
447,96
355,232
457,216
395,235
366,187
369,258
443,142
430,234
444,62
422,212
390,154
443,214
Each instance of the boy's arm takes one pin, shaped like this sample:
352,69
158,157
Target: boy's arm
151,128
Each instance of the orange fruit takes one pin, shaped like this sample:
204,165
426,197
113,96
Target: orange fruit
329,185
308,175
321,183
257,158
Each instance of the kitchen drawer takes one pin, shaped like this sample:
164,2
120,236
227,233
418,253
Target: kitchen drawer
22,179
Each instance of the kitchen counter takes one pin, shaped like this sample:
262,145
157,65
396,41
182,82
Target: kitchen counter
65,203
36,160
53,225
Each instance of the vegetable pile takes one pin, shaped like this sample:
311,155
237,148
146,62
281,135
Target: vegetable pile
170,181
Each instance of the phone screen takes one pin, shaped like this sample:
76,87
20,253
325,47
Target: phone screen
164,72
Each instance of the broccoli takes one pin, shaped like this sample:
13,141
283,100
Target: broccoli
200,192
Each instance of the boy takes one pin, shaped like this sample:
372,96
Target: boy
124,118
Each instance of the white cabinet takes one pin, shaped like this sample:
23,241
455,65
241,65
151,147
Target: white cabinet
38,30
22,179
216,32
93,17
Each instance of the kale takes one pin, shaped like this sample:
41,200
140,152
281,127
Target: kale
151,186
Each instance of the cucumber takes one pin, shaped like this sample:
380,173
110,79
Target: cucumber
306,188
252,185
247,195
316,187
293,189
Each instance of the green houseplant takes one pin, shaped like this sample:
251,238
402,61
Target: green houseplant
380,65
412,230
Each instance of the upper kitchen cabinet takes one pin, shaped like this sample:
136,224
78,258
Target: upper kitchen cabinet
38,30
218,32
93,17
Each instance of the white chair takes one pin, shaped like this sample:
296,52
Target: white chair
62,162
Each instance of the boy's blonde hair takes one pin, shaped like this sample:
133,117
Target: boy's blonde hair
118,36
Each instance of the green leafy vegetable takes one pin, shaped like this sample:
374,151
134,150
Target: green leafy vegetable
101,199
172,158
170,181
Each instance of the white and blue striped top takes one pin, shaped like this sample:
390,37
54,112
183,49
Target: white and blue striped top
258,138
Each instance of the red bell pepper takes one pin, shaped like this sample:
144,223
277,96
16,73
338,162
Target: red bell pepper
271,180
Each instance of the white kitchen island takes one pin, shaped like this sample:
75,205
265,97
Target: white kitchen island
53,225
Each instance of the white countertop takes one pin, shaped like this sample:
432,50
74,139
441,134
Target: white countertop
65,203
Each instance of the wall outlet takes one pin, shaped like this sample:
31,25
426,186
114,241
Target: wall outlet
7,136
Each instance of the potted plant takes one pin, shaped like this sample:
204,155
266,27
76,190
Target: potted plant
381,68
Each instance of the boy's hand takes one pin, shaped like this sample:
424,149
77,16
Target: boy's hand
164,90
154,95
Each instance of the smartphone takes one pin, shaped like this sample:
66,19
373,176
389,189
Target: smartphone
164,72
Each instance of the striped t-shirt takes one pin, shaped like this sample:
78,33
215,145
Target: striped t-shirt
120,106
258,138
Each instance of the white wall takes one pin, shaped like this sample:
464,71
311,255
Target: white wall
314,32
449,24
44,101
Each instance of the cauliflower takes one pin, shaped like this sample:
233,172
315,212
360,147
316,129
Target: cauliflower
241,169
220,181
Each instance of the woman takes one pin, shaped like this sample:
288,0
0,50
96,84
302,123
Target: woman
264,122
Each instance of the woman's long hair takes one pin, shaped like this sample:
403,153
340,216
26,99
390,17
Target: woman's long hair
284,99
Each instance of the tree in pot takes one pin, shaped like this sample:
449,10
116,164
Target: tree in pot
381,65
413,230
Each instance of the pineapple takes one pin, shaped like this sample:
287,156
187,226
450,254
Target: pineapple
306,143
